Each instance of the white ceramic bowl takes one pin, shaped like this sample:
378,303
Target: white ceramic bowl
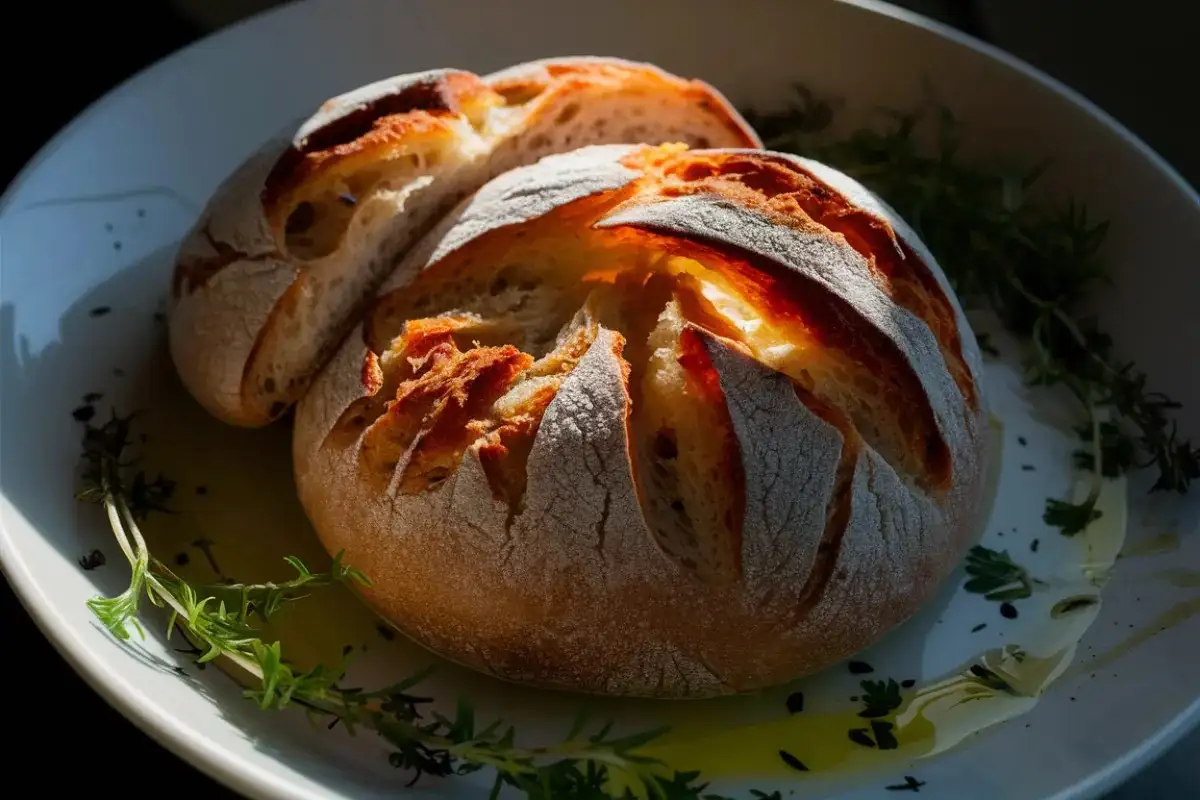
93,221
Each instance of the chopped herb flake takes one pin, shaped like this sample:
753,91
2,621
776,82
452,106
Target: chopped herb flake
880,698
1071,518
910,784
996,576
883,734
859,736
792,761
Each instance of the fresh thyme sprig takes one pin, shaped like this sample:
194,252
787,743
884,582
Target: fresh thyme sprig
1031,264
218,621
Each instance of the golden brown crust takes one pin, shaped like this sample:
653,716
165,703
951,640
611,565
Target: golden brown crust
370,129
562,78
193,271
805,374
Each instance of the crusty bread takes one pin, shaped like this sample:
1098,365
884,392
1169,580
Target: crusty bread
652,421
292,244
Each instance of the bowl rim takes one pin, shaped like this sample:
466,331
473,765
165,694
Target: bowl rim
255,781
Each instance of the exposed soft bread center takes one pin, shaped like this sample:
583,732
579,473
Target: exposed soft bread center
358,182
784,342
687,457
357,190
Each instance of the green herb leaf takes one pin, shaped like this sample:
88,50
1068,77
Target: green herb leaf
1070,518
996,576
880,698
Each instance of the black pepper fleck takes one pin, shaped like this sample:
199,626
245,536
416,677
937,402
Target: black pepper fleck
92,560
979,627
92,397
201,490
1021,441
100,311
141,212
1033,546
108,226
84,413
116,245
1008,611
795,702
860,668
182,559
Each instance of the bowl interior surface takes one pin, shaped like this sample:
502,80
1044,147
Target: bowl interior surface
92,224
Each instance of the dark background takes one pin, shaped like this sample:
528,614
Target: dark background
1135,59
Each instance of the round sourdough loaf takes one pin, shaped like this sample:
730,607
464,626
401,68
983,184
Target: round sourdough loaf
279,264
651,421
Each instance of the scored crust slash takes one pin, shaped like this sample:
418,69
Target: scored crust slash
652,420
293,243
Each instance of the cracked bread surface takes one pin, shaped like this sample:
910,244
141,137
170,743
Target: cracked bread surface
291,245
652,421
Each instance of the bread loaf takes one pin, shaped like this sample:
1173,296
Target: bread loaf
289,247
652,421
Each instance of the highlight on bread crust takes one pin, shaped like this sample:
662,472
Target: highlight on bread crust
294,242
652,421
